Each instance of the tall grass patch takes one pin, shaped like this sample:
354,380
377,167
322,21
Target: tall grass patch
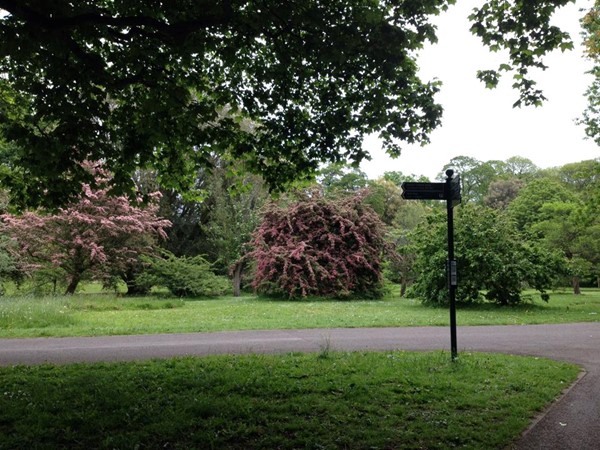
48,315
31,312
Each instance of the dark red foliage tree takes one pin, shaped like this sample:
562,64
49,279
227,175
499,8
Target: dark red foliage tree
318,246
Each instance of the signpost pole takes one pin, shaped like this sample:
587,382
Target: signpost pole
451,268
449,191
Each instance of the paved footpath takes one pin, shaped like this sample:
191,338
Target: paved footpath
571,423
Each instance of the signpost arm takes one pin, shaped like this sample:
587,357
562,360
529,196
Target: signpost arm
451,268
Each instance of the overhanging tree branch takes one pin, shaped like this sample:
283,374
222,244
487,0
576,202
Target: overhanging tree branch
177,30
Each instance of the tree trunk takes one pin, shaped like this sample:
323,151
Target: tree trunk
576,287
238,271
598,281
133,288
73,284
403,286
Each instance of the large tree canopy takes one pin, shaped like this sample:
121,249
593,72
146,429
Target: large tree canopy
280,85
591,28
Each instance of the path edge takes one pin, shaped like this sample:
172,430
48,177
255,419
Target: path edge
541,414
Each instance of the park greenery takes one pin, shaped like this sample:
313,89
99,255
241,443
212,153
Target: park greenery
189,160
339,236
196,116
327,398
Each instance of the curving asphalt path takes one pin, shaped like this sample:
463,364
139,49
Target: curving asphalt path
571,423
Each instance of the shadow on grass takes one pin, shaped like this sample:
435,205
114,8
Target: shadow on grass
343,400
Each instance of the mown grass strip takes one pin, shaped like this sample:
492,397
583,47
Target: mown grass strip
89,314
328,400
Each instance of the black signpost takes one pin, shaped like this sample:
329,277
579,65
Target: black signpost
449,191
452,199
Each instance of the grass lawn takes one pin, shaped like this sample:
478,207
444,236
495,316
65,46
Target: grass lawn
105,314
375,400
330,400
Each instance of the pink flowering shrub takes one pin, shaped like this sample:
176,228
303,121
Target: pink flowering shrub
98,237
319,246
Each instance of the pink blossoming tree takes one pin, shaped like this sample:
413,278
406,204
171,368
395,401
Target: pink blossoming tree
320,246
97,237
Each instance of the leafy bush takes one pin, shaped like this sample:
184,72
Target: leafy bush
493,262
183,277
319,246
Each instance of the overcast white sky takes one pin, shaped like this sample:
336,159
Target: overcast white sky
481,123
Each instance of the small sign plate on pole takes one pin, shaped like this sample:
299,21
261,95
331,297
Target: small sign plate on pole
452,273
423,191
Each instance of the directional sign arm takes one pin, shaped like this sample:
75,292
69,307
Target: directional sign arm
423,191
